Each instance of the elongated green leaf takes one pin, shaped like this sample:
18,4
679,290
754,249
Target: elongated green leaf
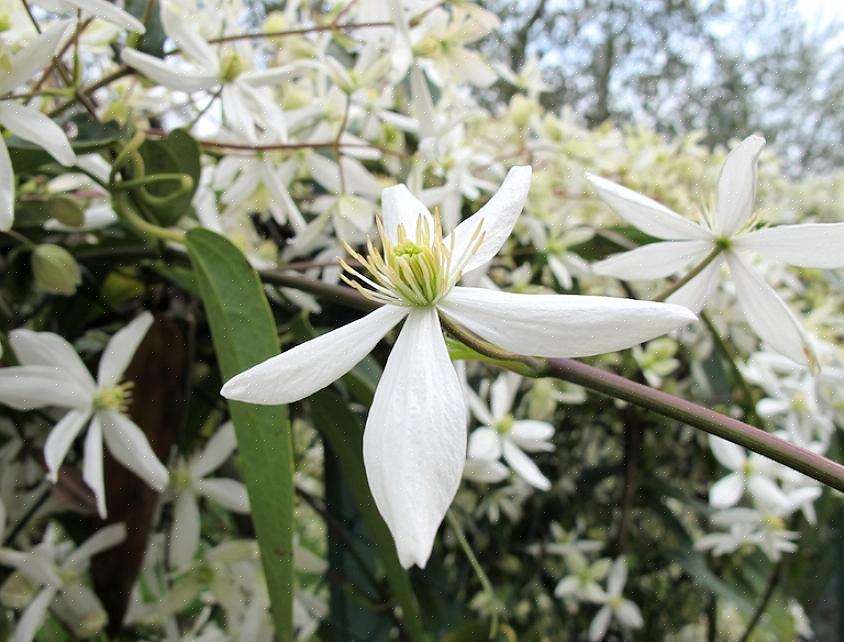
343,434
244,334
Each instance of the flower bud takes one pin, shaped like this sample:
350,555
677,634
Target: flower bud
55,270
66,210
521,110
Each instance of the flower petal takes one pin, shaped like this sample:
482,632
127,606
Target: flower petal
229,493
617,577
495,220
127,442
218,449
28,387
737,185
414,444
524,467
33,616
238,116
400,207
110,13
102,540
484,443
813,245
311,366
7,189
121,348
731,456
600,624
60,438
179,78
532,435
559,325
485,471
629,615
768,314
727,491
30,124
652,261
35,57
184,534
188,39
502,394
649,216
49,349
92,466
696,292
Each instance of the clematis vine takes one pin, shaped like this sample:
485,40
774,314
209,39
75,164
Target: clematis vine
414,444
725,236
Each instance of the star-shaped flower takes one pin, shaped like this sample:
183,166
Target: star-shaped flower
725,236
414,445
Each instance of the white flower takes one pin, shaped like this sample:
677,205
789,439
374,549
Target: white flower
103,10
56,571
189,481
764,528
414,445
615,606
750,472
730,232
582,582
501,434
52,374
27,122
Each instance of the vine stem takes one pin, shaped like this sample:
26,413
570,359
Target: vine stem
802,460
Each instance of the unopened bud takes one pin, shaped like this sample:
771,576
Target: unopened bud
66,210
55,270
521,110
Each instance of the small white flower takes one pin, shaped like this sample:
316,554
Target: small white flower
615,606
582,583
753,473
730,229
52,374
414,445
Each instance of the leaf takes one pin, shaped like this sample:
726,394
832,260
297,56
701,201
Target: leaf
343,433
178,153
152,42
244,333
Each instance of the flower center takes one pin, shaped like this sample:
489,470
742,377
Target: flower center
774,522
231,65
504,426
615,602
114,397
414,272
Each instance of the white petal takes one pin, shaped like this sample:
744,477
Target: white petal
768,314
600,624
121,348
127,442
768,407
559,325
60,439
325,172
696,292
400,207
502,394
814,245
187,39
479,408
414,444
237,114
110,13
629,615
531,435
33,616
92,466
184,535
30,124
653,261
524,467
173,77
649,216
311,366
35,57
218,449
737,185
229,493
766,492
484,443
727,491
731,456
28,387
495,219
7,189
48,349
617,577
484,471
102,540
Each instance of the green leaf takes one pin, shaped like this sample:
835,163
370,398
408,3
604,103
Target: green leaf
343,433
176,154
244,333
152,42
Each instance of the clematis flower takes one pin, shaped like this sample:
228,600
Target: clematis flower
27,122
414,444
725,236
501,434
52,374
751,473
615,605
